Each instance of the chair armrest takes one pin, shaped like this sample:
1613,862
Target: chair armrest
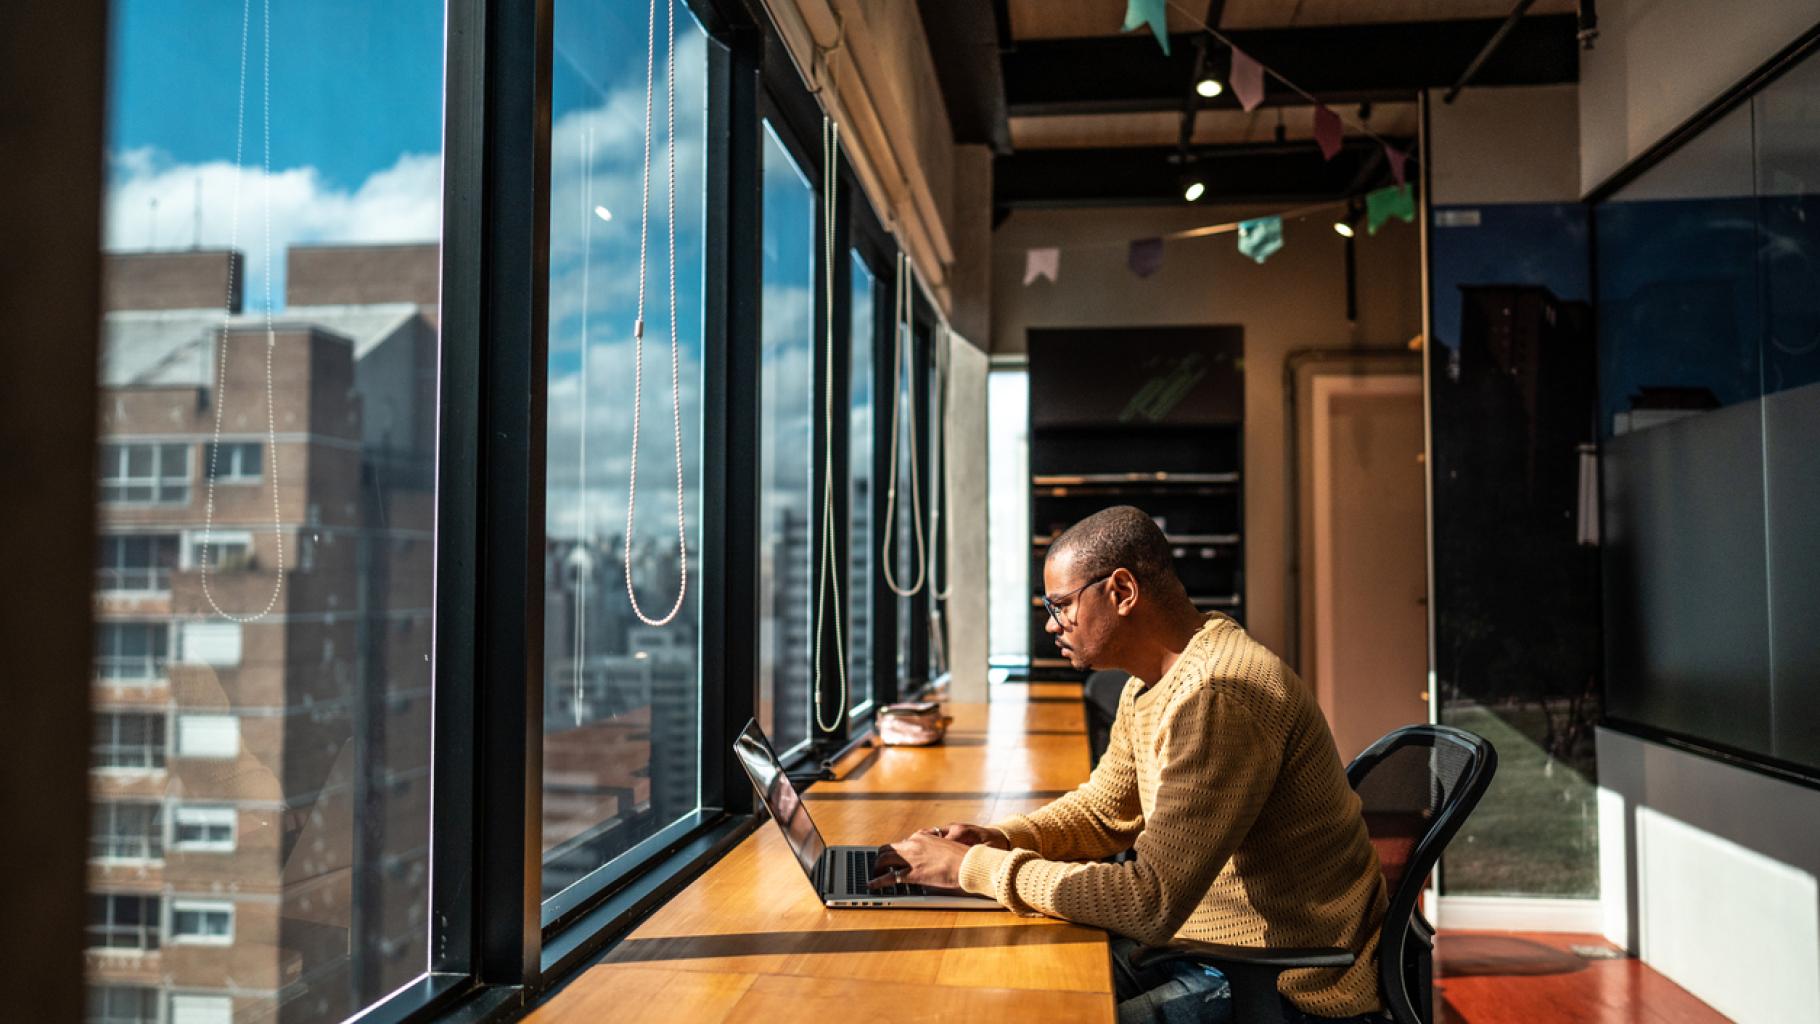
1216,955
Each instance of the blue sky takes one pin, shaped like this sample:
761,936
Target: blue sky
355,83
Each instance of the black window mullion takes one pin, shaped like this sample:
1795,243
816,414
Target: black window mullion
731,360
486,893
884,602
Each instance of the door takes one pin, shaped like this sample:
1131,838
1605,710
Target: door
1369,576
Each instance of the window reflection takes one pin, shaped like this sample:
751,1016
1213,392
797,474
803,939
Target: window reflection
621,698
786,523
862,338
261,758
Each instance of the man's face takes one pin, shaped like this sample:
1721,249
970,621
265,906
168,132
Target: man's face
1084,617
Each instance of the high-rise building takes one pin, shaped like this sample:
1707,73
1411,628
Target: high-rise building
264,605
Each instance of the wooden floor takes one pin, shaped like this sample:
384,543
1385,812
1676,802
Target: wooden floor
1536,978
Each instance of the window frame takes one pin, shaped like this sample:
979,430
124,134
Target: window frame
234,473
204,908
180,488
154,845
160,751
158,661
150,929
222,813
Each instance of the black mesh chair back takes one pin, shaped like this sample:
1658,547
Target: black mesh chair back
1417,785
1101,695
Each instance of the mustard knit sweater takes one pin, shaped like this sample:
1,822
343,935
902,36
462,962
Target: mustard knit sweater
1225,778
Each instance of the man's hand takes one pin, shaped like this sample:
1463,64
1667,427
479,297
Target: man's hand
974,835
924,859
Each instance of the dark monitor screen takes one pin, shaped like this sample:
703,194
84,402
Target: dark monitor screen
780,797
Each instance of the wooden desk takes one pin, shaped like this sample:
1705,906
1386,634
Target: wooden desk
749,940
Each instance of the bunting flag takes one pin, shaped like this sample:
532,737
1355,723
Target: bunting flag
1260,238
1399,161
1141,12
1042,263
1327,131
1247,79
1385,203
1145,257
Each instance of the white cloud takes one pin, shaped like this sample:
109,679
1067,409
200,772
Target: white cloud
152,202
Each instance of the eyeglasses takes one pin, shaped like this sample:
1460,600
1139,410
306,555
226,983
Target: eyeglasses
1055,605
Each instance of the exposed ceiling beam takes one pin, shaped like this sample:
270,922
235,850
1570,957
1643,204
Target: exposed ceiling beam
964,40
1150,176
1340,63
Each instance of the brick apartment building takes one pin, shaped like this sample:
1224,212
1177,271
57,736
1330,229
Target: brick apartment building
261,788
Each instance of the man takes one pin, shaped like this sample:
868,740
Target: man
1222,775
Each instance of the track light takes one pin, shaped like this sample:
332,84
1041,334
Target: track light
1347,226
1209,87
1195,190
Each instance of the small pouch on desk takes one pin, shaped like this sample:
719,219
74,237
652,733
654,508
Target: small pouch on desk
918,724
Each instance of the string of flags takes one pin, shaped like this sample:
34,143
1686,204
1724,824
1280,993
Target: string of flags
1247,81
1259,238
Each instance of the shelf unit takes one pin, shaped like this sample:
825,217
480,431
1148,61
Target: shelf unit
1151,417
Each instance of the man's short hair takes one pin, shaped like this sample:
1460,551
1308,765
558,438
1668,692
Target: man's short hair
1121,537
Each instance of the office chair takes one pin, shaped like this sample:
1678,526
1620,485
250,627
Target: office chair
1101,695
1417,786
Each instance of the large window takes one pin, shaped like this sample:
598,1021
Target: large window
523,518
124,921
136,562
145,473
862,341
787,450
131,651
622,697
269,381
122,1004
126,831
129,740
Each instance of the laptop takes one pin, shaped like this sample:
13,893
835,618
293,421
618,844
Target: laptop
838,873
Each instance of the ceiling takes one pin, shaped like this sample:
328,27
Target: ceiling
1080,113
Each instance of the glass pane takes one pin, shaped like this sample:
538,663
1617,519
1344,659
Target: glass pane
1008,506
1788,185
621,698
786,526
862,338
1680,310
329,677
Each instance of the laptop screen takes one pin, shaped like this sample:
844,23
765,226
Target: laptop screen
780,797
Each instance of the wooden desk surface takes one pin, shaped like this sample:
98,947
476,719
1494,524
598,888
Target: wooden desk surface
749,939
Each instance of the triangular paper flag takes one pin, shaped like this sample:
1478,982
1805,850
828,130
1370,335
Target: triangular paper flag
1042,263
1140,12
1247,79
1145,257
1260,238
1392,201
1398,163
1327,131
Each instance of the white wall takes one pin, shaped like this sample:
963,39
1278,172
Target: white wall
1519,144
1708,874
1657,62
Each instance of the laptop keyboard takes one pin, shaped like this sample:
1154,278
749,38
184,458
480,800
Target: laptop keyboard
860,867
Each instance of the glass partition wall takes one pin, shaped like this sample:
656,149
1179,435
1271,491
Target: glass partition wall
445,544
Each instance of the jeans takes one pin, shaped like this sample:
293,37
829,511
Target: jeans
1184,992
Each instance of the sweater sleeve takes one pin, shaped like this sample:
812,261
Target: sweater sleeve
1219,765
1100,818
